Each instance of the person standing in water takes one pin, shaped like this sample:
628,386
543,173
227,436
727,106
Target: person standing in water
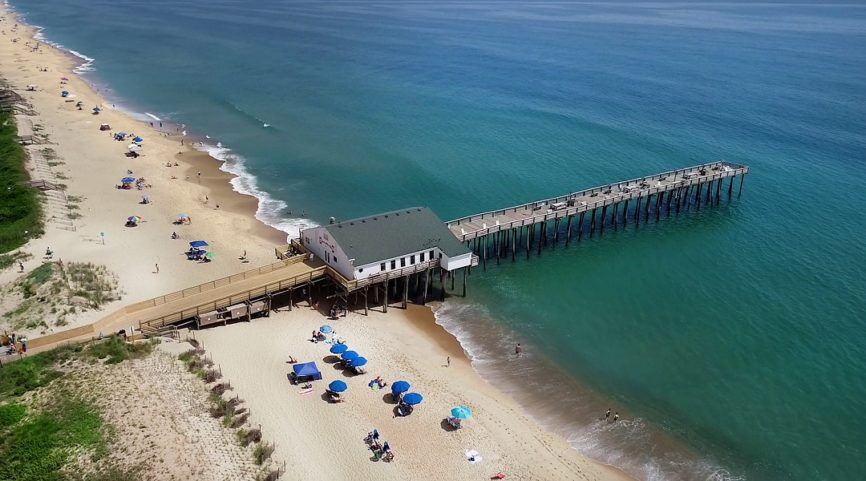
607,414
616,417
518,350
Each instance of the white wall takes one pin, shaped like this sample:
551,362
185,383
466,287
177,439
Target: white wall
374,268
456,262
320,243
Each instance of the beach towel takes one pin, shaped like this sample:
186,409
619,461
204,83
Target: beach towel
305,391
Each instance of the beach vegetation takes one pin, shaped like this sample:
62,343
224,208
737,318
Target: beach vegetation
33,372
53,291
263,452
20,208
115,349
10,414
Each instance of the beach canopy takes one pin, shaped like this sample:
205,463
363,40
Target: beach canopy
349,355
359,361
182,216
339,348
133,147
413,398
198,243
307,369
127,180
461,412
326,329
134,218
399,387
337,386
138,139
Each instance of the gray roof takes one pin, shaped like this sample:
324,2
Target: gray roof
393,234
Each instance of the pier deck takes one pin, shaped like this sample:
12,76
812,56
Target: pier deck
678,181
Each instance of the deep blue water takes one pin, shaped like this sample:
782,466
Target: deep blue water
732,340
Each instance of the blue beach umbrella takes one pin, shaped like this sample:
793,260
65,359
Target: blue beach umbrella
399,387
127,180
339,348
182,216
349,355
359,361
413,398
326,329
198,243
138,139
337,386
461,412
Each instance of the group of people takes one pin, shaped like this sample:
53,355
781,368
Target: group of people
13,343
337,311
609,419
381,451
377,382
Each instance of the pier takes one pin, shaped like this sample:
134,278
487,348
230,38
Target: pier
534,225
498,234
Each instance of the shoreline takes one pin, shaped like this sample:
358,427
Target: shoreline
216,183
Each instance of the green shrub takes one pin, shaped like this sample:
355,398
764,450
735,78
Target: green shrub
20,211
10,414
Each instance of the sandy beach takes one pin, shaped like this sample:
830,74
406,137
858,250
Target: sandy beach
93,164
320,440
315,439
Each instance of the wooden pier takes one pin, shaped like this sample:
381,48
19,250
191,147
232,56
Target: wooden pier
496,234
533,225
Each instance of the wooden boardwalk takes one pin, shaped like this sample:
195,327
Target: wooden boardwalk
679,185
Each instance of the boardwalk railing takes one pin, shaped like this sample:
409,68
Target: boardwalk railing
607,195
250,295
207,286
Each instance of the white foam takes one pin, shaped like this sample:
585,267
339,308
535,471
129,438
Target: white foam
270,210
154,117
87,62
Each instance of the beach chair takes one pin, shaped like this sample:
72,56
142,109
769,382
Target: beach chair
454,423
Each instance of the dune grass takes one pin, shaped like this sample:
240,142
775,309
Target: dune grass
20,210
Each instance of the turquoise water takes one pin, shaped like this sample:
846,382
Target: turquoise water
731,340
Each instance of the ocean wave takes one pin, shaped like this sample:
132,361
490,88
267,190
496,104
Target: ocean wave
86,64
632,444
271,210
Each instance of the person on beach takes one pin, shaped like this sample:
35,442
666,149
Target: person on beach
157,268
518,350
607,414
448,361
616,417
20,267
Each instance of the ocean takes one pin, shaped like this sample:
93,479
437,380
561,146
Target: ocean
730,340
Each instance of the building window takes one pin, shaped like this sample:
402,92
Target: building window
393,265
431,255
334,259
402,262
412,259
422,258
381,267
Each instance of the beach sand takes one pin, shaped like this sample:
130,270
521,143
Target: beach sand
315,439
320,440
94,163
